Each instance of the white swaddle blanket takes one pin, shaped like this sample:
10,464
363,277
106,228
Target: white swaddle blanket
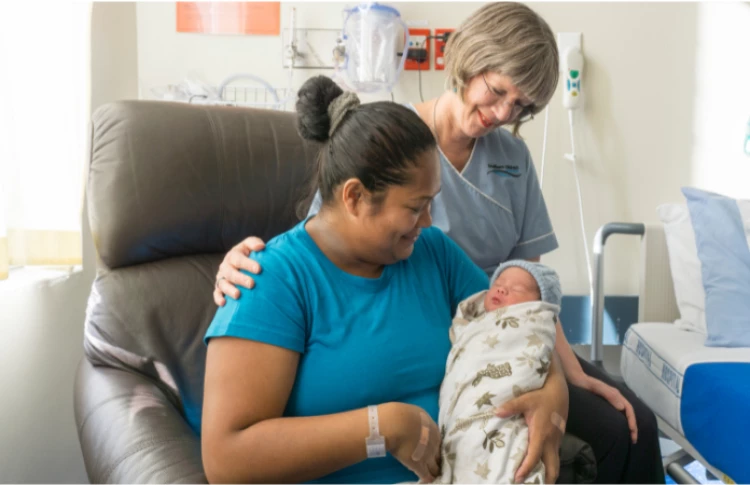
496,356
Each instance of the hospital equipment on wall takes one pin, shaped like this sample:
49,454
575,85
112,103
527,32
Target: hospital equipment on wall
571,65
309,48
243,89
370,38
364,55
252,91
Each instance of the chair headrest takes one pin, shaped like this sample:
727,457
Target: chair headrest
171,179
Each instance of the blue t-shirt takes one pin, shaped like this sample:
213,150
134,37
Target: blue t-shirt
363,340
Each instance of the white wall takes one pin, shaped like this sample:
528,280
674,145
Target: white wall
722,107
636,139
42,325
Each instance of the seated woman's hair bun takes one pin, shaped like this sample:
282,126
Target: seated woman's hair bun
314,97
378,143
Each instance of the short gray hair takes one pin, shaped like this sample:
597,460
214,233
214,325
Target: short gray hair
510,39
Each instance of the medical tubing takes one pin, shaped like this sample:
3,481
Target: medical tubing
260,81
544,145
419,69
289,92
572,137
580,205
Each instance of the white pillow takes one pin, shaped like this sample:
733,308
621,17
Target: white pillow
685,267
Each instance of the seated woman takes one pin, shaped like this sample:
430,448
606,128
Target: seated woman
346,335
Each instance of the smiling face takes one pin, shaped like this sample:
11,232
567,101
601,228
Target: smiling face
491,100
503,38
514,285
388,228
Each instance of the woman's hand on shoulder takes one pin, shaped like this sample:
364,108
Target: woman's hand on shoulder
412,437
229,273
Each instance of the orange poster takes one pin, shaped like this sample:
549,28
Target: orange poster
249,18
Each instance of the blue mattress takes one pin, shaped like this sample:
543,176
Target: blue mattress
715,414
702,392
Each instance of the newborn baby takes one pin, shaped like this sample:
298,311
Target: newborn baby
502,343
513,285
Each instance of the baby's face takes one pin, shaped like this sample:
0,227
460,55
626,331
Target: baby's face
514,285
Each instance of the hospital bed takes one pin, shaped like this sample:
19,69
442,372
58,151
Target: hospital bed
692,389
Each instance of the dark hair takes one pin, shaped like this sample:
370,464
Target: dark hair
375,142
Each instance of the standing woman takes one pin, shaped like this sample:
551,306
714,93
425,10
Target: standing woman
502,65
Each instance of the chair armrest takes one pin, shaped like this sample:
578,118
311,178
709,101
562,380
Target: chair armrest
577,461
130,432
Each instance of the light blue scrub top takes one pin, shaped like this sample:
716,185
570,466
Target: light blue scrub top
493,209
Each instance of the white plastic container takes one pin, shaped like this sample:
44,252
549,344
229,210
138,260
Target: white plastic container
371,32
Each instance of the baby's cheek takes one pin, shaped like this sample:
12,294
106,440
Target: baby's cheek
488,305
523,299
488,301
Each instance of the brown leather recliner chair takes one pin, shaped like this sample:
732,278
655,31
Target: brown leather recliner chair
171,187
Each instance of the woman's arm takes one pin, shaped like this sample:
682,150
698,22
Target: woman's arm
575,375
570,365
246,439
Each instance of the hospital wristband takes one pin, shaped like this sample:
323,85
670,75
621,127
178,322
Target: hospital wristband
375,443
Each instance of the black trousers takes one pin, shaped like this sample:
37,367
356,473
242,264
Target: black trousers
595,421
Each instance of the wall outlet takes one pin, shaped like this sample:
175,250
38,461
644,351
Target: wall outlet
418,50
440,48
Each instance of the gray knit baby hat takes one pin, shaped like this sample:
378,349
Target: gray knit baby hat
546,278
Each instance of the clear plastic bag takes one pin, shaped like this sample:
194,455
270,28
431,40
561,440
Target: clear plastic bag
371,34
